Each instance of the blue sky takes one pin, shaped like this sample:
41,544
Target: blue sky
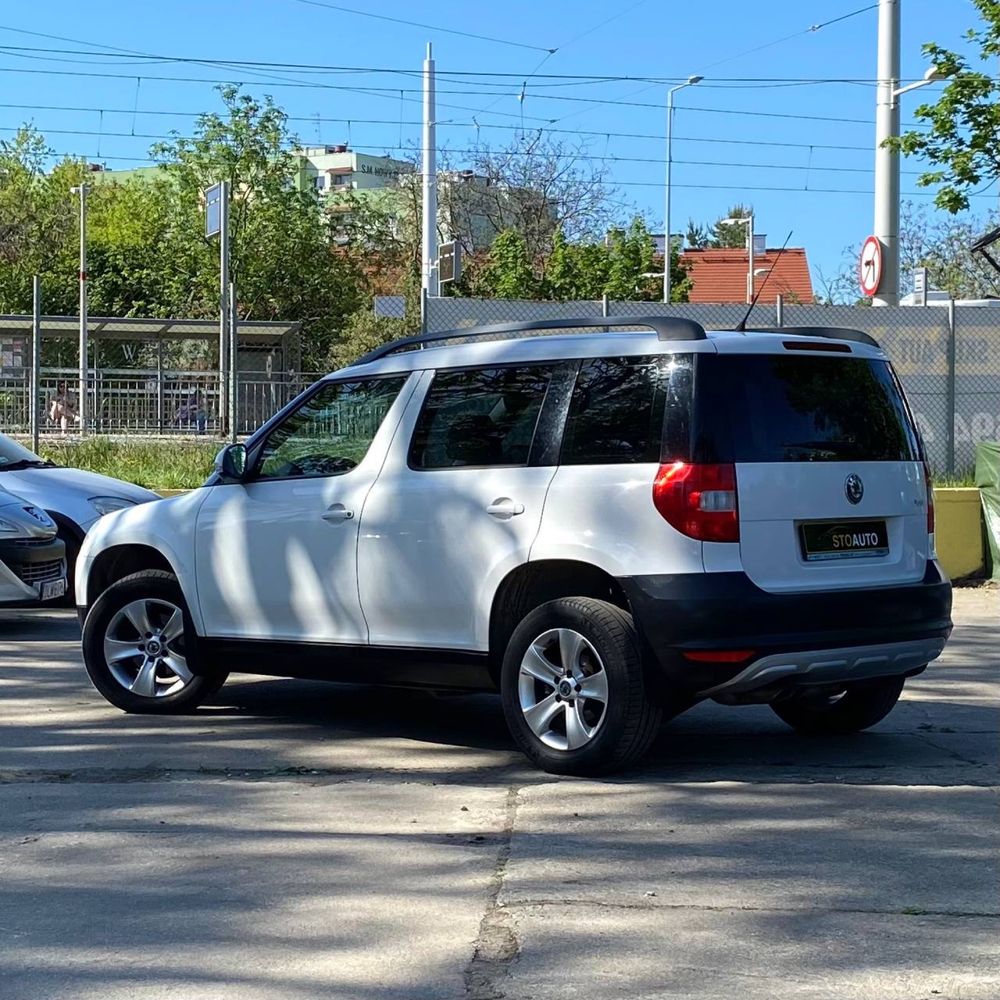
803,158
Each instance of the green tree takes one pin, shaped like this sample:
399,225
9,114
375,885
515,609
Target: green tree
630,260
284,260
508,273
720,236
962,142
575,271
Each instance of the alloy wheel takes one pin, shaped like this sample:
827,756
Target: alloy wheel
144,648
563,689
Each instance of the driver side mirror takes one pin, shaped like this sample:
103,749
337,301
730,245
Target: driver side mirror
231,463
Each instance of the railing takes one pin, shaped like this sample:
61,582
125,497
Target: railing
145,402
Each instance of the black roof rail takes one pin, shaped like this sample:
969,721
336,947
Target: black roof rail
828,332
666,328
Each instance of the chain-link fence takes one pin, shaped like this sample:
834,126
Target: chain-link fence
948,357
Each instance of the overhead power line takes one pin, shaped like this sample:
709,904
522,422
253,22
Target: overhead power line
471,151
395,122
428,27
394,94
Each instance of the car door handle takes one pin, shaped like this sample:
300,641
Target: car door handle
338,512
504,508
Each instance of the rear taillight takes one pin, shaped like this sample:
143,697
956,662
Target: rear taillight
699,500
929,480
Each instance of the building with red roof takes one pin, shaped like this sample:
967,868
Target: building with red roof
720,276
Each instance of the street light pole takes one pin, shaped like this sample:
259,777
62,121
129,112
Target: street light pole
886,229
691,81
81,403
429,269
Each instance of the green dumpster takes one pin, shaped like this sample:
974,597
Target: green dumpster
988,481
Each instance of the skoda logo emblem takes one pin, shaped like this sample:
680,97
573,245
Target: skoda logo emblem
854,488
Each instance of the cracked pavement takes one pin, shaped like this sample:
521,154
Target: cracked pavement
300,840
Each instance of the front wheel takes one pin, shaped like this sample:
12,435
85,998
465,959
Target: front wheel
573,688
849,710
139,647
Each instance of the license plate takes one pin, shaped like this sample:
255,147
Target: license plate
844,540
53,589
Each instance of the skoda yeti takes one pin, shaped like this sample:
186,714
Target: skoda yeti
607,524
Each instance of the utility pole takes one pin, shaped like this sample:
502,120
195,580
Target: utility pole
429,272
667,255
224,304
750,281
886,228
81,403
36,359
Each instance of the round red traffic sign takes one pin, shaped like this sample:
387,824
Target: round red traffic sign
870,266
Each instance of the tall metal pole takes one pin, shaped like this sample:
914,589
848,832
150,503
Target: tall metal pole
886,228
666,194
36,358
234,364
81,403
429,271
750,281
223,300
690,82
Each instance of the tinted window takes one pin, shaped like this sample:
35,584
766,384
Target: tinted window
618,410
773,408
330,433
479,418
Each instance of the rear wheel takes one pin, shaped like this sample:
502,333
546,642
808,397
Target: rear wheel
139,647
573,689
849,710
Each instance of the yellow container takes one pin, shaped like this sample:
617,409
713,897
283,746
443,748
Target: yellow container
959,531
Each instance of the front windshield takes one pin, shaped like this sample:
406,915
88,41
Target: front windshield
11,452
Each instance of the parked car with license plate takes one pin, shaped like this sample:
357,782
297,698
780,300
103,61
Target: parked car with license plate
607,527
74,498
32,557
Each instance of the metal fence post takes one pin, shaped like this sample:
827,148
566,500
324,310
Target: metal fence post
779,310
36,360
423,312
605,305
234,366
950,390
159,384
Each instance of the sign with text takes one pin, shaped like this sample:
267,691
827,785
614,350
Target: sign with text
213,210
449,262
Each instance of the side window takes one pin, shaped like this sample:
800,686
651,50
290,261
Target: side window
616,414
331,432
479,418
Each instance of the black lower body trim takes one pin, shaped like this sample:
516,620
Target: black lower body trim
720,611
395,666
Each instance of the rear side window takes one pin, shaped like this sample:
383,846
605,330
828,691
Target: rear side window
479,418
771,408
631,409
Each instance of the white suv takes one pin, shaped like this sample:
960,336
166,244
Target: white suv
606,525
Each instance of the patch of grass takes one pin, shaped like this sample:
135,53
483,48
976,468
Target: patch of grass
958,479
155,464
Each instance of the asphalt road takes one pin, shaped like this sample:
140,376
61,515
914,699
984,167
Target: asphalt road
298,840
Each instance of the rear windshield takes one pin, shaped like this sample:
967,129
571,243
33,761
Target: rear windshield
775,408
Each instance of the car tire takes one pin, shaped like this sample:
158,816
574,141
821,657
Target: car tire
140,648
857,707
551,718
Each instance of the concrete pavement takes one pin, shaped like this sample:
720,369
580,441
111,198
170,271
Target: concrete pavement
302,840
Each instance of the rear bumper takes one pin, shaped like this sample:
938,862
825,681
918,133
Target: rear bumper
875,632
